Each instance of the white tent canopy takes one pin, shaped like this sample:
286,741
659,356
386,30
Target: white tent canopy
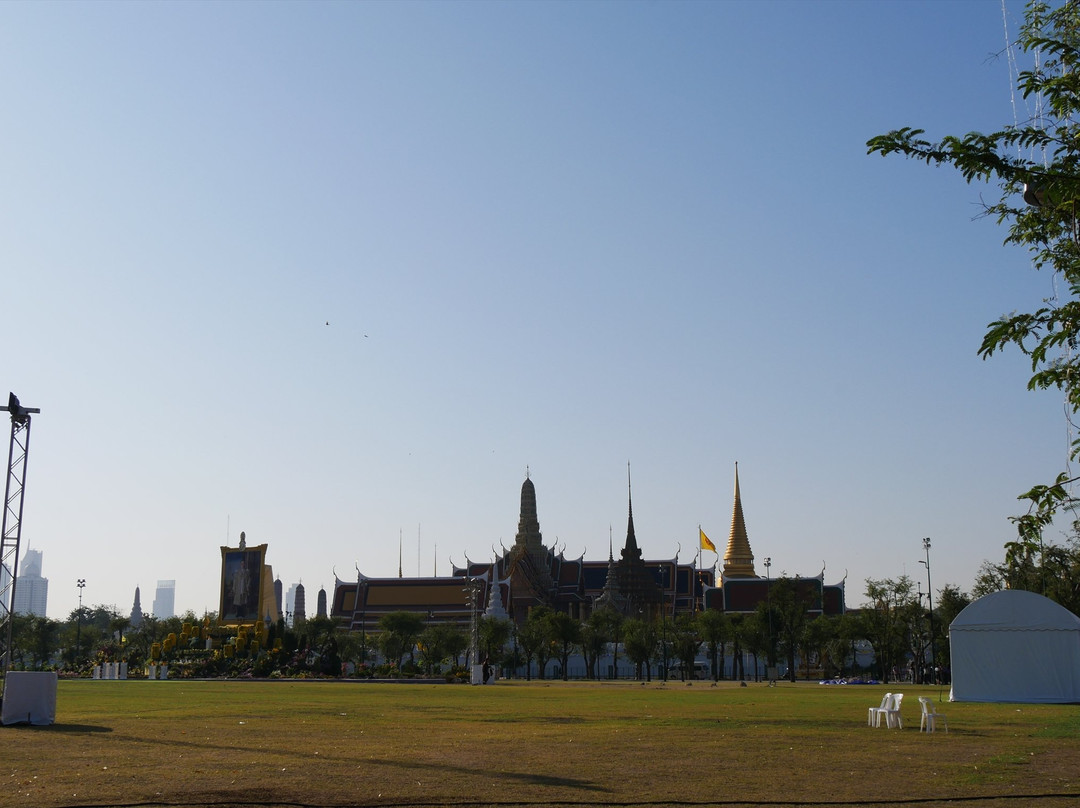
1015,646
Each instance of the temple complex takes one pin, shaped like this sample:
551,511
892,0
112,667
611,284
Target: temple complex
531,574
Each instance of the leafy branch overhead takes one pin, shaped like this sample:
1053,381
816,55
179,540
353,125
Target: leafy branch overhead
1039,202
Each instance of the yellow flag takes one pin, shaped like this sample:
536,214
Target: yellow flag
705,543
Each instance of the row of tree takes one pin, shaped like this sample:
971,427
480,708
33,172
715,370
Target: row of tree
92,635
895,626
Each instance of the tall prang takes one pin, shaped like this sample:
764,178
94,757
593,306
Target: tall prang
136,611
299,606
738,557
529,552
528,532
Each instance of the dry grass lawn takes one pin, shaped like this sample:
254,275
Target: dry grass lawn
517,743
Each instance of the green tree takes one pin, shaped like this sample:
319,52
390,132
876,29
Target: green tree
815,642
755,637
118,625
141,637
848,630
834,644
766,618
738,623
639,643
350,646
608,622
438,643
494,634
887,621
715,629
535,640
398,633
593,641
321,637
789,606
565,634
949,602
686,642
1036,168
35,641
1051,570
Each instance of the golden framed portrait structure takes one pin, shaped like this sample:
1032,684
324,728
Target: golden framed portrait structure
242,584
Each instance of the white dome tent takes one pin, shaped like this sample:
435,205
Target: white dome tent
1015,646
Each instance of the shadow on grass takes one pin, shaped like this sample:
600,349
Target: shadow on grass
65,729
530,778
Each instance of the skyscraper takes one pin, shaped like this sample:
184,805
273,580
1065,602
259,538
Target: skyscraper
31,590
290,604
165,599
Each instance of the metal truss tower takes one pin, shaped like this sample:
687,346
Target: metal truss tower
11,532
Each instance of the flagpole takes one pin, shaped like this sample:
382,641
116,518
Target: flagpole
697,574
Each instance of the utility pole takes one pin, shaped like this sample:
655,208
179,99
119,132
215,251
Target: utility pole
930,602
78,626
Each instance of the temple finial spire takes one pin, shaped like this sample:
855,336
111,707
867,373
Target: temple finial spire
738,557
631,536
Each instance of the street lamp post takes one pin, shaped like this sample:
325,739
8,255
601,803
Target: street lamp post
663,621
78,625
930,602
361,594
363,627
920,664
472,592
768,606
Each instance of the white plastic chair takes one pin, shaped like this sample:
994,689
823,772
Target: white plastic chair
892,714
930,717
873,717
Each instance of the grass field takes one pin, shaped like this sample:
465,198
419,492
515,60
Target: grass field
294,743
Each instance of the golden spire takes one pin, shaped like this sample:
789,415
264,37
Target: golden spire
738,557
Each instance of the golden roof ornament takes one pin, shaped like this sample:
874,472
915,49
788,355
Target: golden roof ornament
738,557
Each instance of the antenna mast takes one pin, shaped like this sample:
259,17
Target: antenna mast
11,530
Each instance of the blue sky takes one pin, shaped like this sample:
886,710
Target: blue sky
335,273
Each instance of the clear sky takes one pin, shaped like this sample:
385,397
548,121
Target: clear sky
338,273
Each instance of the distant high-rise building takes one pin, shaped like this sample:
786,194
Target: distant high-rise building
321,608
278,602
136,611
299,614
31,590
31,565
165,599
290,604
